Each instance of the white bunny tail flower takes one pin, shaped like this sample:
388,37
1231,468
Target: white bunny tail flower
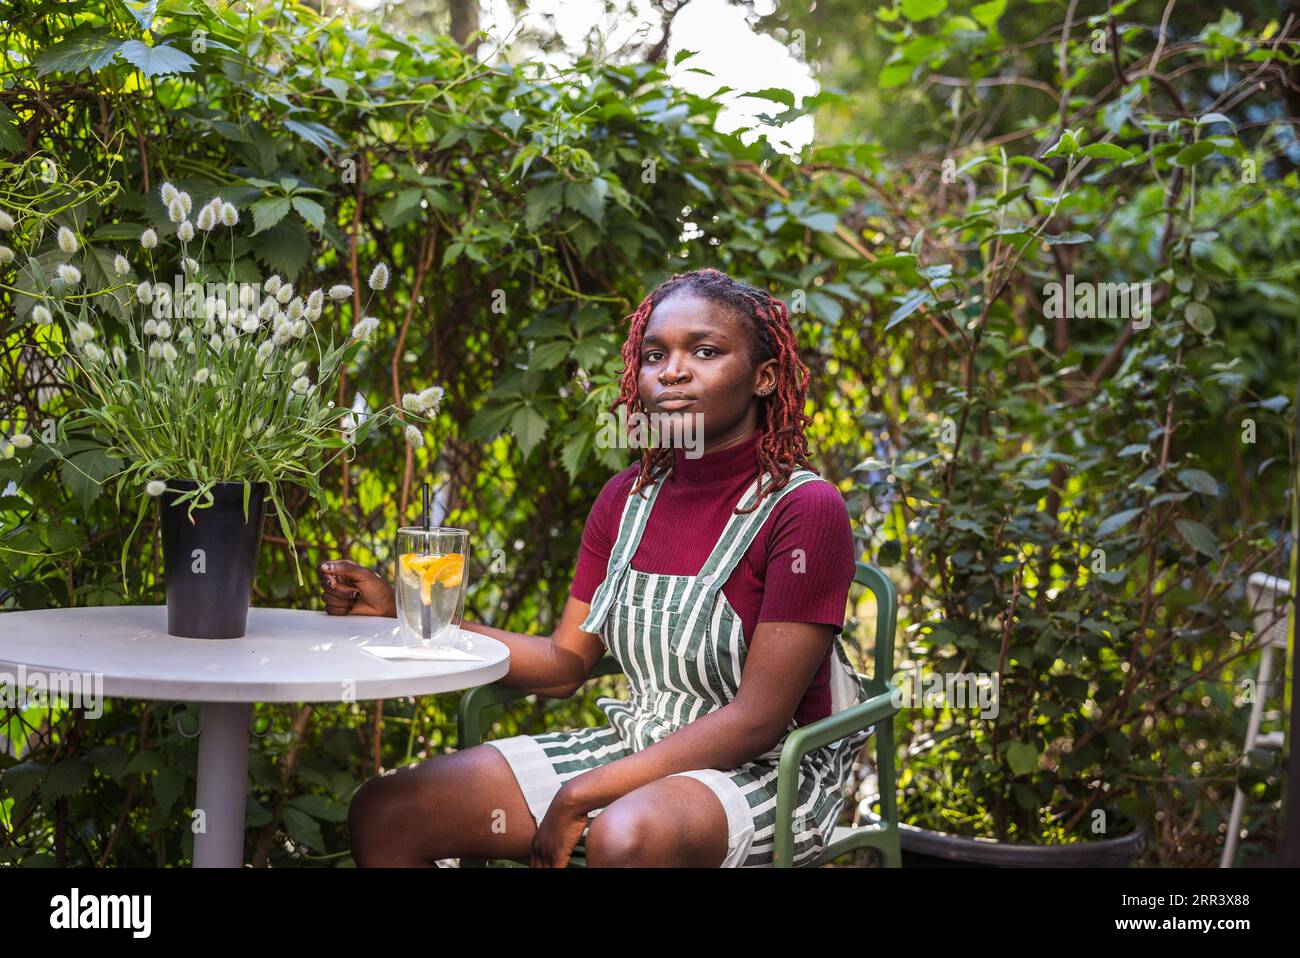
379,277
412,402
295,308
185,334
229,214
299,368
207,220
155,349
144,292
119,356
164,329
248,295
121,266
190,265
93,353
84,330
169,352
229,332
201,375
185,232
312,314
186,200
215,343
316,300
151,327
42,316
284,294
6,254
149,239
340,292
70,275
176,210
249,324
67,240
6,221
282,335
272,284
363,329
264,350
21,440
431,398
168,193
299,329
156,487
414,438
301,385
266,310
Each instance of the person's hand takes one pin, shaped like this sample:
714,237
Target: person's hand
350,589
558,833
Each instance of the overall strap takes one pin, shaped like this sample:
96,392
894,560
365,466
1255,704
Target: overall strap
736,538
636,513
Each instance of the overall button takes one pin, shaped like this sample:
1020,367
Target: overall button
709,579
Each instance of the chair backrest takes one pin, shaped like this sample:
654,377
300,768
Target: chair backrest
1270,605
882,587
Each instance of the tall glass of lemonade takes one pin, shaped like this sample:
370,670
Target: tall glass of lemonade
431,580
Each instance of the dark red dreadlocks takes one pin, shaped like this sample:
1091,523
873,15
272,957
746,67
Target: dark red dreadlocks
782,446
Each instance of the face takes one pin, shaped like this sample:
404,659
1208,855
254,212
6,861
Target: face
697,361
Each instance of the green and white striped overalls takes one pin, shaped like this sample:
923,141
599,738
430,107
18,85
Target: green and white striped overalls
682,648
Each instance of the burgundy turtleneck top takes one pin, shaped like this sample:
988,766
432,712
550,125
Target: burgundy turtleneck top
700,494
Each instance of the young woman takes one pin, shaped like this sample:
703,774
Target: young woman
718,582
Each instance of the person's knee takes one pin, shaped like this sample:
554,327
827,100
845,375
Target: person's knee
623,837
380,815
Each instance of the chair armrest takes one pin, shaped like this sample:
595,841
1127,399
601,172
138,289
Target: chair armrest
880,708
471,712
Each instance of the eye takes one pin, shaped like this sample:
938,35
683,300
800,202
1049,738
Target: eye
649,357
712,352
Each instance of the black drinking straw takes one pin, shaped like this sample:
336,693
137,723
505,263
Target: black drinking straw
426,614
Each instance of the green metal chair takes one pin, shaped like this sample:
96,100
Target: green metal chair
879,831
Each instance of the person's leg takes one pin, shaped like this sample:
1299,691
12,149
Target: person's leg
679,821
465,803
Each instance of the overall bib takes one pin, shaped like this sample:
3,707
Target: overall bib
682,648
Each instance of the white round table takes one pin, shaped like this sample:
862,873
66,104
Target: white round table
287,655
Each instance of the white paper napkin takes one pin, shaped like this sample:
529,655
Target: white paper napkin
422,653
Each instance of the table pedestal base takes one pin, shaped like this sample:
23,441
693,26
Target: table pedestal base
222,784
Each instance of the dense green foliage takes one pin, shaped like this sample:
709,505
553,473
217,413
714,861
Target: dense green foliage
1069,504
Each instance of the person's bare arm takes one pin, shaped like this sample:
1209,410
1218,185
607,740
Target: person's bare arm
554,665
783,658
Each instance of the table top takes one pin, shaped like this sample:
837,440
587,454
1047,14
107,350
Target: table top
287,655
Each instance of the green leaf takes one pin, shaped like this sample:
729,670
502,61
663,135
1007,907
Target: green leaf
1067,239
549,355
284,248
66,778
588,198
269,211
529,427
987,14
320,806
820,222
1198,480
776,94
22,779
1116,522
574,454
916,10
400,209
1022,758
1193,153
310,210
1106,151
317,134
1200,317
1198,537
83,50
541,202
909,306
302,828
156,60
83,473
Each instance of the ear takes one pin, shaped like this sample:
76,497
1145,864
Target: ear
765,379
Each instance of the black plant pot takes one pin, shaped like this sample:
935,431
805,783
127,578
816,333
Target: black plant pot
924,848
209,560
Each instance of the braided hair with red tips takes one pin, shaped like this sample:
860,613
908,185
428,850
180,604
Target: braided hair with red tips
782,446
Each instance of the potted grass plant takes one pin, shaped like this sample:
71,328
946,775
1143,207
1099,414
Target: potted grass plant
212,393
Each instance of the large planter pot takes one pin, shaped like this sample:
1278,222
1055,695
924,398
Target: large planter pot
925,848
209,559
